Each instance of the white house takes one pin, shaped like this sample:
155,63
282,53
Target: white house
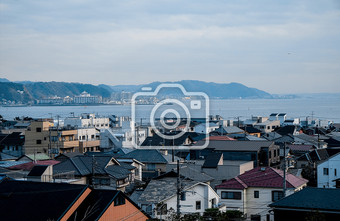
159,198
204,128
252,191
328,171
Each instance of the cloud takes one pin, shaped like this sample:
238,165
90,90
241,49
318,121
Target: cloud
142,41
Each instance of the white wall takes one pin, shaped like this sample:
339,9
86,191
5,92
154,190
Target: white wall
250,205
333,164
200,192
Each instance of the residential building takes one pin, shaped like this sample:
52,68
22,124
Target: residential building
159,197
61,201
268,126
204,128
154,162
37,136
263,153
309,204
103,172
252,191
12,144
328,171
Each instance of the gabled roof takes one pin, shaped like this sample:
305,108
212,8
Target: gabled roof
315,156
212,160
38,170
96,203
28,166
37,156
265,177
289,129
231,130
15,138
235,145
300,148
82,166
219,138
252,130
312,199
4,156
22,200
146,156
187,173
156,140
162,189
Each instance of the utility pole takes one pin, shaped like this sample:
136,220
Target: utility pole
178,191
284,170
58,135
92,172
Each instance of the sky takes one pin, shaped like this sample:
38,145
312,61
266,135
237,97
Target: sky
281,46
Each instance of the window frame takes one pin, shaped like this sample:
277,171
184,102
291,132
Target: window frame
231,195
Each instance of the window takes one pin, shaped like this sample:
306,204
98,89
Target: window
38,141
325,171
120,200
38,129
334,172
276,195
198,205
256,194
231,195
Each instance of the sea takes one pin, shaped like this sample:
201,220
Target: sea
317,108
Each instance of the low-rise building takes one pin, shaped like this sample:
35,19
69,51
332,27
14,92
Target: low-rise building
252,191
159,197
328,171
309,204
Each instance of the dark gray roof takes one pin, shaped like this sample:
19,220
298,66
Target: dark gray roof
37,200
117,171
82,166
188,172
38,170
235,145
212,160
311,198
146,156
159,190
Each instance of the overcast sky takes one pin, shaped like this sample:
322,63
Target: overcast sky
277,46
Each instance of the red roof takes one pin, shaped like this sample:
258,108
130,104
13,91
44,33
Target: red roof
219,138
266,177
28,166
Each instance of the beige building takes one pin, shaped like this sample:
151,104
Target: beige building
37,136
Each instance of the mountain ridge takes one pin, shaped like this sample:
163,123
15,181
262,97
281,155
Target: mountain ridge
27,91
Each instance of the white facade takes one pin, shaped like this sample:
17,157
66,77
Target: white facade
198,198
249,204
88,120
328,171
87,134
203,128
267,126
